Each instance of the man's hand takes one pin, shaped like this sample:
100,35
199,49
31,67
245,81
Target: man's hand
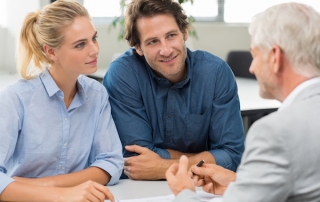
213,178
146,166
178,177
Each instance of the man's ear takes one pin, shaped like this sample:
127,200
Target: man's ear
50,52
185,35
277,59
139,51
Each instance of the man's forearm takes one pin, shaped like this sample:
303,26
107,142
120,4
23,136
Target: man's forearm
194,158
148,165
206,156
163,167
174,154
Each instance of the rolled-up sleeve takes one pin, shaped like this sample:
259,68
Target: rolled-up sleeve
106,151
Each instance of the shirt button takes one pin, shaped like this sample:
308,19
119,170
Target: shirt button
169,115
65,144
66,119
61,168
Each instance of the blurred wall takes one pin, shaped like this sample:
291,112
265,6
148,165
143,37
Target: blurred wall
216,38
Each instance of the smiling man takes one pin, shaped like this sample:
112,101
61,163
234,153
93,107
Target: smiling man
167,100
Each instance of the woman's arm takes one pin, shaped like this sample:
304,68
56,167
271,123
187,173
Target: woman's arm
68,180
88,191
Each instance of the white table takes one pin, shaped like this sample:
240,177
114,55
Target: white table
134,189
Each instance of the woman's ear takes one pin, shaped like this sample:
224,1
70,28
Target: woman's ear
50,52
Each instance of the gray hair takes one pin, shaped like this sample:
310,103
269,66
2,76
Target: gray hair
295,28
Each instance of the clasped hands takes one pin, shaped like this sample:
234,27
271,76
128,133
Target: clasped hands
211,177
148,165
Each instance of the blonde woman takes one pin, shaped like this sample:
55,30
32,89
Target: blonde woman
58,139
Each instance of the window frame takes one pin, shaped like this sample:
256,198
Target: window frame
218,18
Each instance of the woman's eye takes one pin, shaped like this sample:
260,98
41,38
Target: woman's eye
80,45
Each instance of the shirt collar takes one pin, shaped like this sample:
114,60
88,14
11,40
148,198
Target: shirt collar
81,89
52,88
48,83
290,98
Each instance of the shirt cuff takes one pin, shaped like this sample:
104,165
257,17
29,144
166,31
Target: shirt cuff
113,168
222,158
186,195
4,181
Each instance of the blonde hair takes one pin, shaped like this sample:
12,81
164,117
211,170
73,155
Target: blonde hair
44,27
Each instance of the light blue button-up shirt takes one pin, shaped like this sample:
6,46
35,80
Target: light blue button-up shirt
40,137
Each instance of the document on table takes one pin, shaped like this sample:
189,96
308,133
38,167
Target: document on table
204,196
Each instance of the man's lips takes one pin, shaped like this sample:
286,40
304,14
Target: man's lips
169,59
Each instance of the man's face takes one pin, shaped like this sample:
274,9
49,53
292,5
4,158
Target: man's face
261,68
163,45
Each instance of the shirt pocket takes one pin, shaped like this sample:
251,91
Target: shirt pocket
197,127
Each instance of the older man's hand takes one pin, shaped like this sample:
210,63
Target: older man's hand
178,177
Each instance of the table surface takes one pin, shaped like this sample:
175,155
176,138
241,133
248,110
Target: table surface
248,91
134,189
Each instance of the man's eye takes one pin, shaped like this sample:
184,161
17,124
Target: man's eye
151,42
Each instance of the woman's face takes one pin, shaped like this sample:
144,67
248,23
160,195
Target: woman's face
79,50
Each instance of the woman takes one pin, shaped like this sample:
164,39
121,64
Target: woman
58,139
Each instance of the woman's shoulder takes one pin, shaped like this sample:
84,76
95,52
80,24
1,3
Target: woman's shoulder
91,84
21,86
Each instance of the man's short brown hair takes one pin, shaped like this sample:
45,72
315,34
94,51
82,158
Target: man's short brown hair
148,8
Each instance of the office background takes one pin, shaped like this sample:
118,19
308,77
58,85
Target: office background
215,37
214,34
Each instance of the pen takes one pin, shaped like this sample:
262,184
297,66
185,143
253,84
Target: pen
200,163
